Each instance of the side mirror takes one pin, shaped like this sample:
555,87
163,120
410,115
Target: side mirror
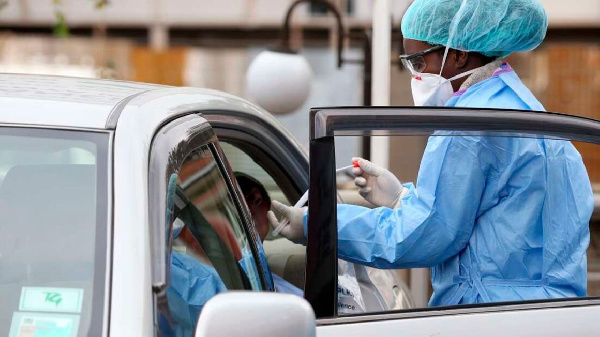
256,314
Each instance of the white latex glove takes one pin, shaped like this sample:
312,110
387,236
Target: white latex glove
295,229
378,185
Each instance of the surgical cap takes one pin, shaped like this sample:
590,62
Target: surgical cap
495,28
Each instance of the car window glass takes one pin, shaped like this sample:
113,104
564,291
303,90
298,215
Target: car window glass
482,217
241,162
285,259
53,204
210,251
362,289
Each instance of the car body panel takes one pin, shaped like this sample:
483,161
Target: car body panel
555,322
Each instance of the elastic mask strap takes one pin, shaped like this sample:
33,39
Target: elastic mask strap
444,59
452,31
461,75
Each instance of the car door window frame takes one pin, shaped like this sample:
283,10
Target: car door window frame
290,187
326,123
172,144
267,141
249,229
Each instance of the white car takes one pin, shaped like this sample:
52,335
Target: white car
102,183
95,174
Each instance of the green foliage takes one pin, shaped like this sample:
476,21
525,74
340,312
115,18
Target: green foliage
60,28
101,3
60,25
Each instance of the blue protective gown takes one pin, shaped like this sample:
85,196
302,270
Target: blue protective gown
192,284
283,286
497,218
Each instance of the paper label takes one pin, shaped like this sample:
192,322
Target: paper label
51,299
30,324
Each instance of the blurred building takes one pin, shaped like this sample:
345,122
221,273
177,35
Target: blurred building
209,43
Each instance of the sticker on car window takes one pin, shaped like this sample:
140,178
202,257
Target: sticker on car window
51,299
31,324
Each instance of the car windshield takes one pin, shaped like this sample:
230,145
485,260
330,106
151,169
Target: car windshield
53,232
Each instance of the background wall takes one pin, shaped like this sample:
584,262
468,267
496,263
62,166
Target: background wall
233,12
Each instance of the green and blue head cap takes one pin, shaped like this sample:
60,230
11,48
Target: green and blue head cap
494,28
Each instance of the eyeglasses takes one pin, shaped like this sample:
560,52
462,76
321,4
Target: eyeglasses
416,62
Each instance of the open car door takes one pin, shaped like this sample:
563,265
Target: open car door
568,315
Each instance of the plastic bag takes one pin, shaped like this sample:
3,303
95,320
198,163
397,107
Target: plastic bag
350,299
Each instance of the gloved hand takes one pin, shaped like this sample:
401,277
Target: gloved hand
295,229
378,185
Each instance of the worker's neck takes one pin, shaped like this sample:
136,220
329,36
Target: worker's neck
480,75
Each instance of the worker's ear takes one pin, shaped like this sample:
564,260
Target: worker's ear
461,58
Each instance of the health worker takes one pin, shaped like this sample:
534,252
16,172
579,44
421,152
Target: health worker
496,218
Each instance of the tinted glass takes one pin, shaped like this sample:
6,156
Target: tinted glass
282,257
53,206
242,162
211,252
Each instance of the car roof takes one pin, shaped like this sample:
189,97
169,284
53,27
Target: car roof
62,101
69,102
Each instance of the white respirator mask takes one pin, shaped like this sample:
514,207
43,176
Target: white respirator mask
433,89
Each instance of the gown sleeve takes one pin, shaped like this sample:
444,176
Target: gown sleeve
436,219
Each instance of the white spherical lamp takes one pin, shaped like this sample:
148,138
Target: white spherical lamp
279,81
